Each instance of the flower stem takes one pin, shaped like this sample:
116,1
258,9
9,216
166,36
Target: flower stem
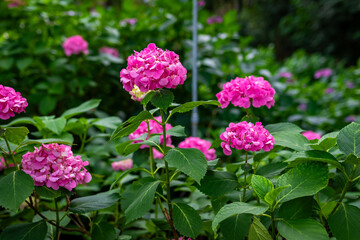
244,192
152,162
10,152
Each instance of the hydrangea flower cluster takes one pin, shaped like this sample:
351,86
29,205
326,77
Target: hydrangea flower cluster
14,3
201,144
2,164
310,135
75,45
54,165
325,72
130,21
122,165
11,102
137,95
154,128
212,20
285,74
110,51
243,92
246,136
152,68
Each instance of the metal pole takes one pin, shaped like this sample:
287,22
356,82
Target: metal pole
195,114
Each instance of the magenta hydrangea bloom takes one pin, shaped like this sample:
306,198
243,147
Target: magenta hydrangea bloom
351,118
130,21
11,102
350,84
2,164
56,166
325,72
246,136
285,74
310,135
152,68
201,144
201,3
110,51
75,45
137,95
329,90
14,3
122,165
242,92
154,128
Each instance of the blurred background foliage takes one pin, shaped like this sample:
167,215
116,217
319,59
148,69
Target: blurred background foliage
249,37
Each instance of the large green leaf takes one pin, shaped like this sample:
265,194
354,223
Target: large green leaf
302,229
299,208
305,179
271,196
84,107
271,170
103,231
162,99
108,122
15,188
47,193
94,202
261,185
314,155
127,147
25,231
191,105
190,161
22,121
186,220
236,208
345,222
258,231
348,139
177,131
55,125
283,127
236,227
16,134
138,199
217,183
326,142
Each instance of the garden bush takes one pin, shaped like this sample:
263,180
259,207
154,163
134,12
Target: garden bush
86,155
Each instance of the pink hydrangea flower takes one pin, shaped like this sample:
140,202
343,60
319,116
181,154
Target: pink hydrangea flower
54,165
154,128
137,95
130,21
351,118
201,144
110,51
201,3
285,74
75,45
246,136
14,3
153,68
122,165
325,72
11,102
302,106
329,90
350,84
310,135
212,20
243,92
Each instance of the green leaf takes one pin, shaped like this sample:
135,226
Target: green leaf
127,148
345,222
23,120
130,125
47,193
236,208
348,139
147,98
6,63
314,155
351,158
177,131
162,99
261,185
271,170
25,231
236,227
218,183
16,134
302,229
258,231
94,202
84,107
191,105
55,125
46,141
108,122
186,220
23,63
283,127
326,142
139,201
15,188
299,208
305,179
271,196
190,161
103,231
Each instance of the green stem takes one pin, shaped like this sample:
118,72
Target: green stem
152,162
83,141
57,236
273,232
342,196
10,152
244,192
320,212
